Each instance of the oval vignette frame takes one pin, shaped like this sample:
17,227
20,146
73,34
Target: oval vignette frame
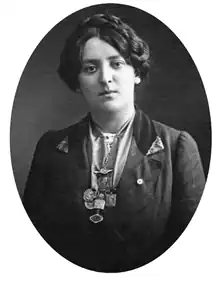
39,85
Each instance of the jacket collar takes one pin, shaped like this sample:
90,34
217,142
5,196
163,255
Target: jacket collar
147,139
75,134
144,133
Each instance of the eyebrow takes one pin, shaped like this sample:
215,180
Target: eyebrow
97,60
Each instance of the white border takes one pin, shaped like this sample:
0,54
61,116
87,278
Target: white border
24,255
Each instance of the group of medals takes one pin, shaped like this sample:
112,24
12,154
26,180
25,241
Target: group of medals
101,197
103,194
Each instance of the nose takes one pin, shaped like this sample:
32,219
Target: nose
105,75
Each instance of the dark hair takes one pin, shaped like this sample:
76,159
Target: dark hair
112,30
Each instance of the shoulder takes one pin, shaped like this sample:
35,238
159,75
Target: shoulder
52,138
166,132
184,151
180,144
174,136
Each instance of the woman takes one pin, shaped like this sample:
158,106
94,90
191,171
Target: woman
115,190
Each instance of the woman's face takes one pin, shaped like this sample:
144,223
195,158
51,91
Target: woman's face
106,80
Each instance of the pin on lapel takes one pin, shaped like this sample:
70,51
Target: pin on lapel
140,181
156,146
64,145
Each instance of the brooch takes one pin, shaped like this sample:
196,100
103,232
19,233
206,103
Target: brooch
64,145
156,146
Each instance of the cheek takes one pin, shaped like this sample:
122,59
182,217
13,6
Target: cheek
87,82
88,88
127,81
127,76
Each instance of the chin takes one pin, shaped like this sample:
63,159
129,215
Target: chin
111,106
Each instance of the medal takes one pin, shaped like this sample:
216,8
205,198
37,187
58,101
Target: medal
96,218
110,200
101,196
89,205
89,194
99,204
103,183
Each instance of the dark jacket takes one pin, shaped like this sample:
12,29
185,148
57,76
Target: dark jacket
157,195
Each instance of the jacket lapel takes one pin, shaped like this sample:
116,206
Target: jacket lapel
146,154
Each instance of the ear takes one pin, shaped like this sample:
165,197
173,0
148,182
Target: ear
137,80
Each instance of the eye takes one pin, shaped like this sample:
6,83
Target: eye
89,69
117,64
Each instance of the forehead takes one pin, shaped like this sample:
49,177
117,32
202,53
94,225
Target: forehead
97,49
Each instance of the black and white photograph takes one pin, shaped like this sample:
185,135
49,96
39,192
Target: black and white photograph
110,138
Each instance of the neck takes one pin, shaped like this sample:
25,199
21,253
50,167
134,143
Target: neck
111,122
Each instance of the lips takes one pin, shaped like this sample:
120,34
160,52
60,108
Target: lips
105,93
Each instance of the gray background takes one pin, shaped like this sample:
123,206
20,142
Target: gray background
174,93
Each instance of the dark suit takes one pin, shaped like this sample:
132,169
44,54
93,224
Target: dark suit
157,195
